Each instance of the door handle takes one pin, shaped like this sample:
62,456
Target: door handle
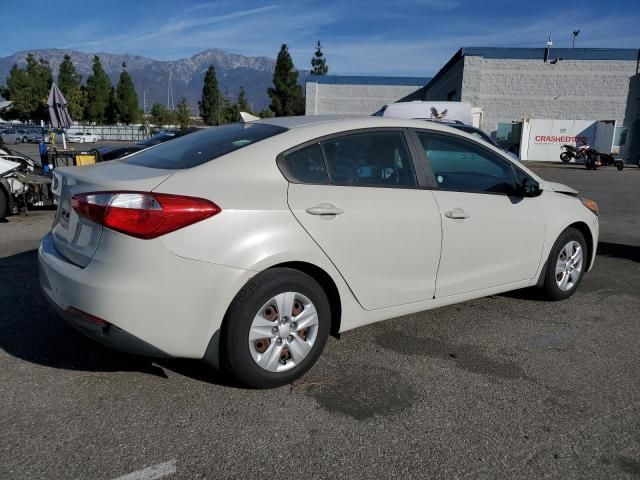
324,209
457,214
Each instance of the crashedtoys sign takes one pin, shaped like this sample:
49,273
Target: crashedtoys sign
542,138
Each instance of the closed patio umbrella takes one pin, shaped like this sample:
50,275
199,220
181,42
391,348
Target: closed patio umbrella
58,111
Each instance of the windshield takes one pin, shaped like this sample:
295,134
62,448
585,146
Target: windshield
200,147
476,133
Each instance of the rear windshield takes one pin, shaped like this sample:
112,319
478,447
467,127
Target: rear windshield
200,147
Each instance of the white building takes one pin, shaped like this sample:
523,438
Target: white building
338,95
515,85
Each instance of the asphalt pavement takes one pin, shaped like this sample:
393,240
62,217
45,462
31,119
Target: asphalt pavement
509,386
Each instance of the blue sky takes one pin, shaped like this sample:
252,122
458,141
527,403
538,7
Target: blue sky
386,37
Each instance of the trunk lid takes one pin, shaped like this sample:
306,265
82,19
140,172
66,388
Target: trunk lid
75,237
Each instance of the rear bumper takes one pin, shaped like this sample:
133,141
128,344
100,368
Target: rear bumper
108,335
156,303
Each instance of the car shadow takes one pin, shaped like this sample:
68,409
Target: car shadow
619,250
30,330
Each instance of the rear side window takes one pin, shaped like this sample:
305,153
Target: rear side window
307,165
460,165
376,159
200,147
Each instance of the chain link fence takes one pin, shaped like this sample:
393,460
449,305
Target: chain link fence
132,133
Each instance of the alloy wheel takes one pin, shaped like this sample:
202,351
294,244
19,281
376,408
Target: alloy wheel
569,266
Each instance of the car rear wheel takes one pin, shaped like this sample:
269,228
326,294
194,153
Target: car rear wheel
566,265
275,329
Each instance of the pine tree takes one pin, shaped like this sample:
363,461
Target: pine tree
182,114
17,90
68,78
160,115
69,82
111,115
126,98
98,93
243,103
76,103
286,93
318,62
210,105
28,89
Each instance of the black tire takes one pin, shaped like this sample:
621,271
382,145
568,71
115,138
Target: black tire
619,165
550,286
4,204
565,157
236,358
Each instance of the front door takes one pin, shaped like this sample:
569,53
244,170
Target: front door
492,235
356,195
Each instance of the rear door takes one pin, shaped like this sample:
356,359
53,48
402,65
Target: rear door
492,235
356,195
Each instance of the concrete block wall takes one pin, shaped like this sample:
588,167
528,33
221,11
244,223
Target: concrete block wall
338,99
510,89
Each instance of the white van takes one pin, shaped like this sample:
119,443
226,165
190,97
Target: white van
444,111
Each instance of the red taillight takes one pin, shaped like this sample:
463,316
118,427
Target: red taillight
141,214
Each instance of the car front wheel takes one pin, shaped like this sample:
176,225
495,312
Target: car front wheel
275,329
566,265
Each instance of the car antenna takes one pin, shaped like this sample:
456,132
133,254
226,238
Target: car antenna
247,117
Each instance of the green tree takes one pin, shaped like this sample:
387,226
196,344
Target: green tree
286,93
111,115
243,103
76,103
126,98
318,62
98,93
68,78
265,113
160,115
69,82
211,102
182,114
28,89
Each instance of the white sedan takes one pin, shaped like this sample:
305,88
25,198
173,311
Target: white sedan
82,137
248,244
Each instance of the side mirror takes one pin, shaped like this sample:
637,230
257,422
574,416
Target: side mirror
530,188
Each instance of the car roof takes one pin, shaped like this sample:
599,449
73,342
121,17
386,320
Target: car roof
351,122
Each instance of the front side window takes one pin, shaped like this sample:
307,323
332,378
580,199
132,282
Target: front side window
375,159
460,165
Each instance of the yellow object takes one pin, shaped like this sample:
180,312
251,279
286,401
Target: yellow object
85,159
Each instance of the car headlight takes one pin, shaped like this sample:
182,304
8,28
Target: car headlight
590,204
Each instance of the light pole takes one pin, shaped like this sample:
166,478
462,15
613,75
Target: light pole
575,34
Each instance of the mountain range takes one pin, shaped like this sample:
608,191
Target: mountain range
156,80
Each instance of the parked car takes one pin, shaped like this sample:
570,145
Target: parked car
24,135
246,245
111,152
82,137
10,137
34,135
